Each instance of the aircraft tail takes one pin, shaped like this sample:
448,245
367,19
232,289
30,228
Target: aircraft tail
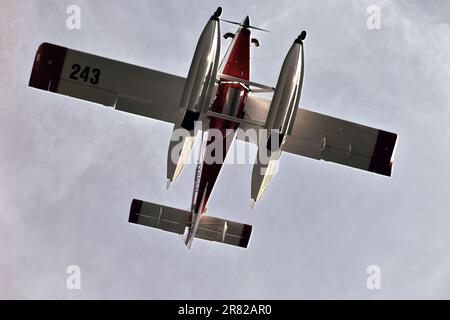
177,220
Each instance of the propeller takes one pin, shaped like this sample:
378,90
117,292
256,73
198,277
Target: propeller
245,24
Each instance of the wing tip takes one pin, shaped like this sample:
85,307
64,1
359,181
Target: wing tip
47,67
245,235
382,159
135,209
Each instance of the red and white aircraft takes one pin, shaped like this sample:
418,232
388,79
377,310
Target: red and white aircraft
220,97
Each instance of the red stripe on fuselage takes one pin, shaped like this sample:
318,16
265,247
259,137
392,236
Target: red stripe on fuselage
238,62
228,95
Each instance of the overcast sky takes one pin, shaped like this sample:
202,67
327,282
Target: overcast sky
69,168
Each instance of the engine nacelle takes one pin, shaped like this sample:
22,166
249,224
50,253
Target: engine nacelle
281,116
197,94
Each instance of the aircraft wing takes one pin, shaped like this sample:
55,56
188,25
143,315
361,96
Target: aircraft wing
126,87
323,137
177,220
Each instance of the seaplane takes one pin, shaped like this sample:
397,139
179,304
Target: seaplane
215,96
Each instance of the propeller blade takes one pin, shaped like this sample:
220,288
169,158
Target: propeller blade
232,22
240,24
260,29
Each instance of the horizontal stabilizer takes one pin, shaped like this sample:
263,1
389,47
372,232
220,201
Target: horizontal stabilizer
216,229
160,217
177,220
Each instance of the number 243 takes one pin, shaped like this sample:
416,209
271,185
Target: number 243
85,74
